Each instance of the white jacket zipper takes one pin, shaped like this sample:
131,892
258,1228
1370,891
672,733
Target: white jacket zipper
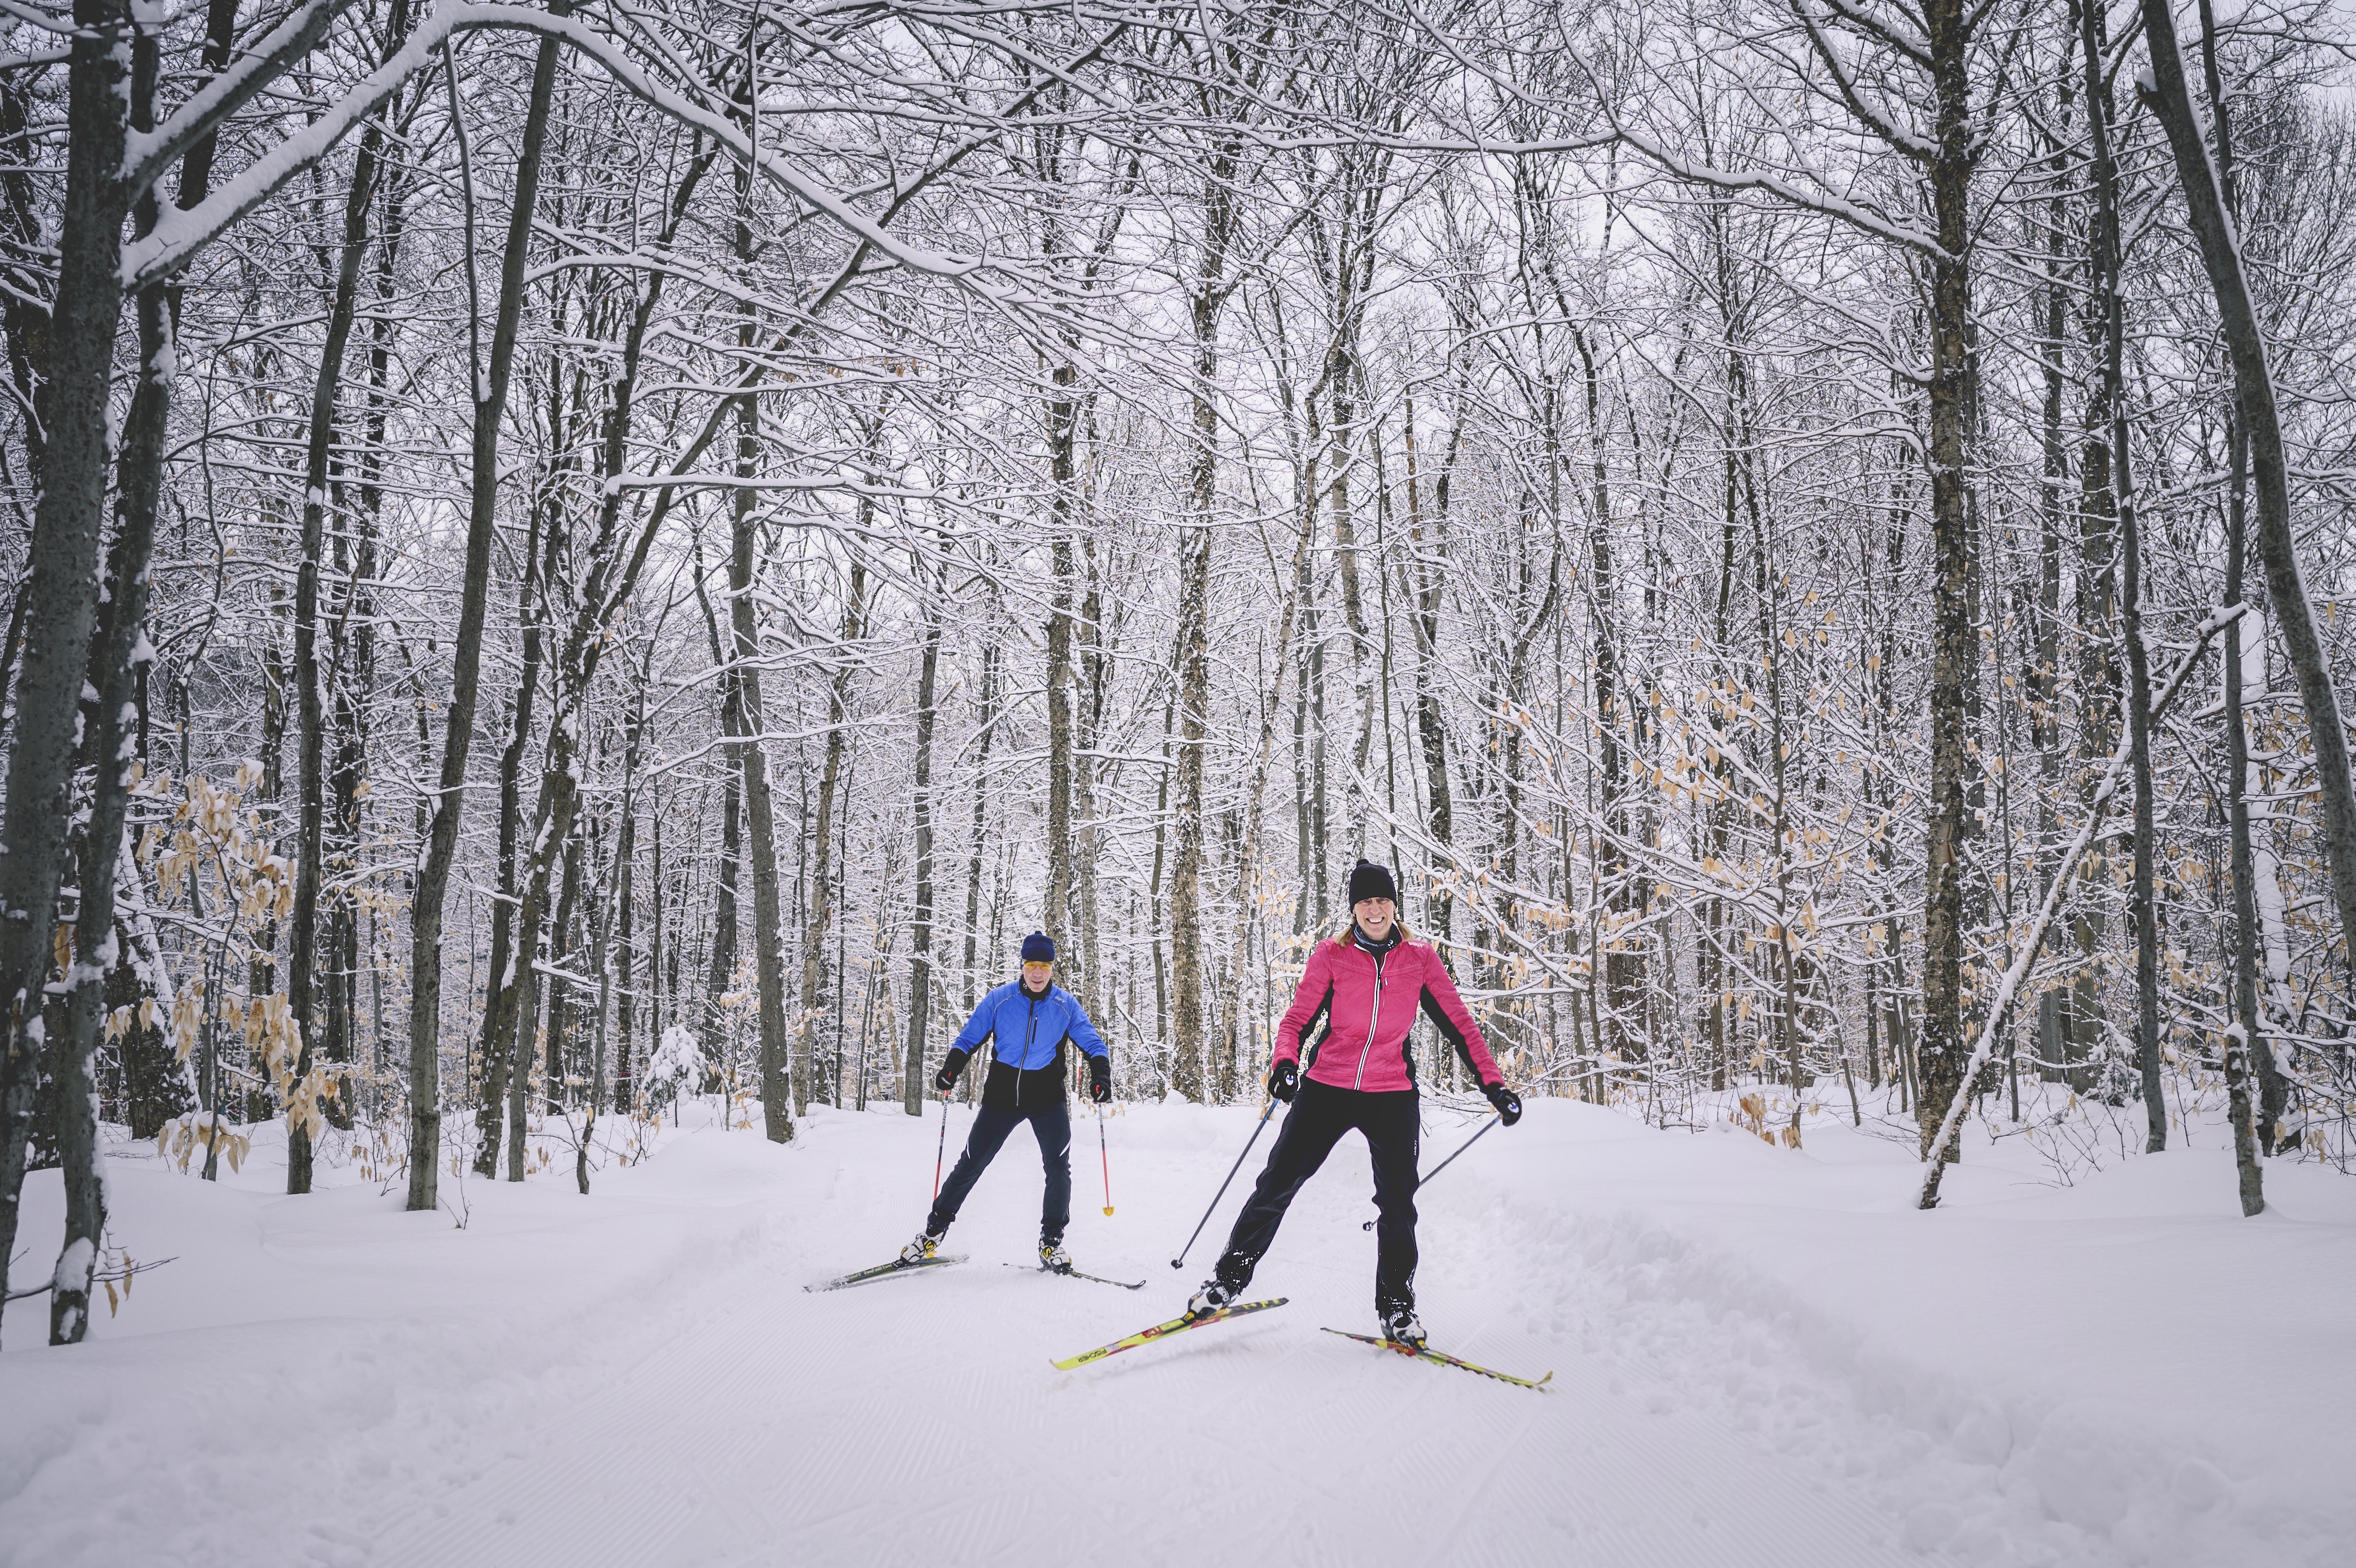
1030,1033
1373,1016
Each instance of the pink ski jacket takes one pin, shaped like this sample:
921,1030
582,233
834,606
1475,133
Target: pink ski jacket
1368,1002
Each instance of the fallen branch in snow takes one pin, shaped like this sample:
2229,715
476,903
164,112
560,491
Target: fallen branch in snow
1949,1126
107,1276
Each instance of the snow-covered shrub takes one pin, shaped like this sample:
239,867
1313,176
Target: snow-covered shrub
676,1067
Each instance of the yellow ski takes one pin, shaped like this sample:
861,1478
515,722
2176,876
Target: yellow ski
1164,1331
1421,1353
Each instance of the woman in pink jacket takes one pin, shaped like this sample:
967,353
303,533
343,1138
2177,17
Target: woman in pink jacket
1365,987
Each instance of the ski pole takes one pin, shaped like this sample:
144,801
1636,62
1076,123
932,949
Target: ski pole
942,1152
1107,1158
1179,1260
1444,1163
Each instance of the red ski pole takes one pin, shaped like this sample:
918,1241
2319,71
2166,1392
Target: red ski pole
1108,1161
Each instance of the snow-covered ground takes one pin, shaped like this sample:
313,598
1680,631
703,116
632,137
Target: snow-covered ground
1759,1356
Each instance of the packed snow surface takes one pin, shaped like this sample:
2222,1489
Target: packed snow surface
1761,1356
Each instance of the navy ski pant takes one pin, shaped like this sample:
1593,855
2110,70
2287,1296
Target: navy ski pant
1320,1115
1052,1124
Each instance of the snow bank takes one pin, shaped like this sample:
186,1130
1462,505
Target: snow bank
2123,1371
333,1347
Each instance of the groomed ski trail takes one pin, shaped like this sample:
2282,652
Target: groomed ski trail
921,1426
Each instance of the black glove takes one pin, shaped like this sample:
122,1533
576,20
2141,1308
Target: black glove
953,1064
1284,1081
1100,1079
1508,1103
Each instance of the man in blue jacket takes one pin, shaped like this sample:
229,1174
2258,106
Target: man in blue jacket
1026,1022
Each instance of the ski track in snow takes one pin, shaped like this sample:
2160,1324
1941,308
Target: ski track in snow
641,1379
915,1422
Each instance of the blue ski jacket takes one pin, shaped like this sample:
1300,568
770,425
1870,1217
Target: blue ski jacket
1027,1033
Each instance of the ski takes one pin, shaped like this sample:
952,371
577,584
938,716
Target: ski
1164,1331
885,1271
1421,1353
1074,1273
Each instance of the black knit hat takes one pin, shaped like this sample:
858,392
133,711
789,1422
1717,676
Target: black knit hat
1038,948
1368,880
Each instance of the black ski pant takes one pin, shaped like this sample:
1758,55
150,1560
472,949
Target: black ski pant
1052,1124
1320,1115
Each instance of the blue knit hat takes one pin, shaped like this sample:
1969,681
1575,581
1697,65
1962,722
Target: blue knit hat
1038,948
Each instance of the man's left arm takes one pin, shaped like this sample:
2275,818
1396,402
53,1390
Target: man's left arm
1084,1034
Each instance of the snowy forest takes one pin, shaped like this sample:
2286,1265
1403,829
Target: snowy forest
568,560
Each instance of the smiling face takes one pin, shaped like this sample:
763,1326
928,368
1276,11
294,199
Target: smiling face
1375,917
1036,976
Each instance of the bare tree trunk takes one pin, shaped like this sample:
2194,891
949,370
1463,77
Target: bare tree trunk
1153,887
2246,1038
68,525
2045,680
1624,970
2143,909
1210,293
303,933
1432,732
1340,367
466,655
920,940
986,724
721,972
822,908
1255,790
560,935
659,986
1954,650
2261,421
1061,415
111,674
753,761
1094,683
509,969
601,917
625,853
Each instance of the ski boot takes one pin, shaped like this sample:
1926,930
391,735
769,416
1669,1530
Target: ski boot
1052,1255
1400,1325
926,1243
1224,1288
